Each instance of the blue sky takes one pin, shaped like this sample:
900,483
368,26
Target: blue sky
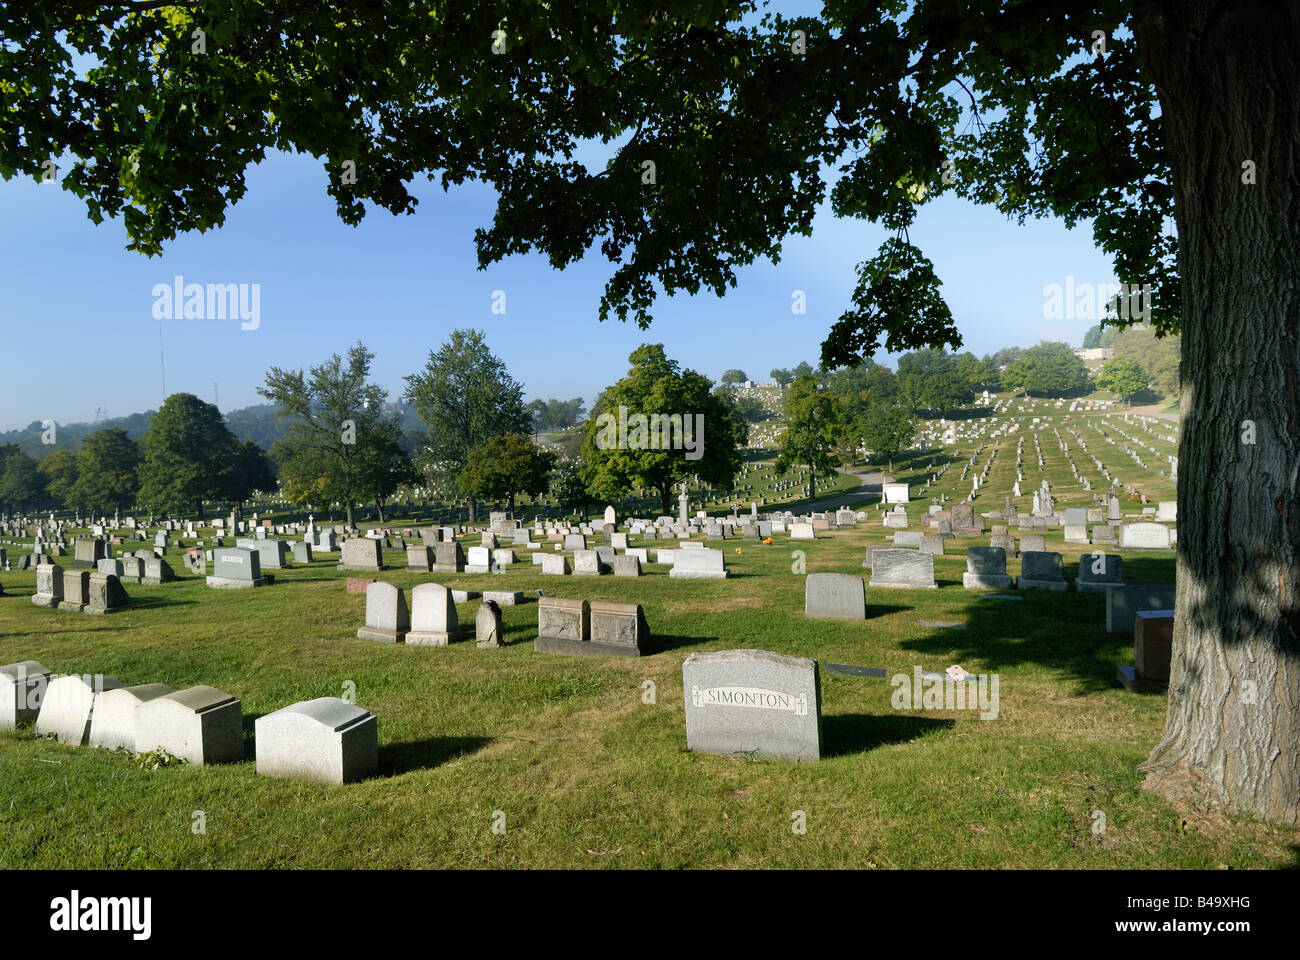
78,324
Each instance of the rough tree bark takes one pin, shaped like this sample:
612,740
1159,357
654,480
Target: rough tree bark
1226,74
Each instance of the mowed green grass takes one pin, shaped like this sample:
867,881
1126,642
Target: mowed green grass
586,774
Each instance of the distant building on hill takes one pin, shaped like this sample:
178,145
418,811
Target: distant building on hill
1094,354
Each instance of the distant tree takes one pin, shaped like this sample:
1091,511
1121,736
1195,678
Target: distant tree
506,466
107,477
859,387
334,417
1124,376
814,428
1048,369
251,472
887,430
59,470
465,396
1092,338
802,370
570,489
384,464
1006,356
733,377
22,487
930,379
629,443
189,454
781,376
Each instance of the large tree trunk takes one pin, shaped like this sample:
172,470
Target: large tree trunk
812,483
1227,78
352,514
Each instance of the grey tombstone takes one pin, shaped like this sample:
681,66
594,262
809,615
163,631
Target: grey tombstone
1144,536
905,569
575,541
753,703
448,557
89,551
326,740
1123,603
362,553
200,725
555,564
49,585
487,625
22,688
1076,516
834,596
434,622
563,626
1076,533
504,598
932,545
698,564
302,552
479,560
908,538
112,721
1040,570
804,531
618,541
586,563
157,571
387,619
236,568
1113,510
106,594
1103,533
1005,541
627,566
273,554
1032,543
76,590
67,707
617,630
986,569
1099,571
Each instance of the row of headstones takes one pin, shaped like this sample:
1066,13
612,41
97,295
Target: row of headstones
587,628
325,740
894,567
81,591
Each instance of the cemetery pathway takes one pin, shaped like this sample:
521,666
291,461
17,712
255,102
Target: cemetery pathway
868,485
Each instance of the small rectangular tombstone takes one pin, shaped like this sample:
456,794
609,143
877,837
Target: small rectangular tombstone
326,740
201,725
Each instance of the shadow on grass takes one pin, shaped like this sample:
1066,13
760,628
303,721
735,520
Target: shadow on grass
1063,631
149,602
663,642
847,733
396,758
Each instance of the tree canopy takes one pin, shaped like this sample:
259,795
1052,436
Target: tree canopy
337,437
1048,369
465,396
190,456
657,426
814,428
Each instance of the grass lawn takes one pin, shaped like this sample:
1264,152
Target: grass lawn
585,772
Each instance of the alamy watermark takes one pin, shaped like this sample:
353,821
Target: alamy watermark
1096,301
656,431
954,690
179,300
